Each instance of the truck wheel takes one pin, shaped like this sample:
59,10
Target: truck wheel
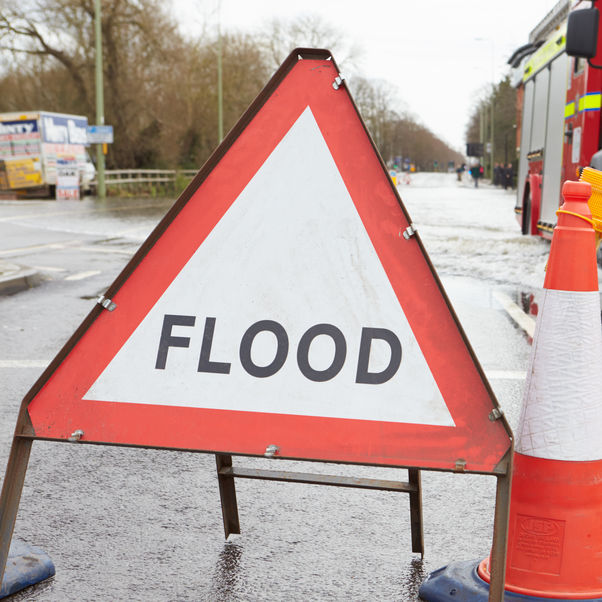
526,229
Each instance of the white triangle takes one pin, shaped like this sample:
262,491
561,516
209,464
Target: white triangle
291,248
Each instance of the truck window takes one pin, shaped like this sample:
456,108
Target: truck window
540,110
553,142
525,139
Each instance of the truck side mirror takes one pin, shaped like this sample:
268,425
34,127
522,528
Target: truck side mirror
582,33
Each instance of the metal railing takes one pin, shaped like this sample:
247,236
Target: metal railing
122,177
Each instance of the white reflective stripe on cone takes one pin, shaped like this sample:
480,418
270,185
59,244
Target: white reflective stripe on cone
561,416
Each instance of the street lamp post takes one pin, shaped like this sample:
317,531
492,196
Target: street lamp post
220,95
492,127
492,107
100,117
483,138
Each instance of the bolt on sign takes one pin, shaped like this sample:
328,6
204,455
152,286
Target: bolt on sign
284,303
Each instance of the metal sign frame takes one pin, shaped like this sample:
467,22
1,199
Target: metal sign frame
226,474
25,433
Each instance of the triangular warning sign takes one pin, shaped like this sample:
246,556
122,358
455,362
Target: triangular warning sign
279,303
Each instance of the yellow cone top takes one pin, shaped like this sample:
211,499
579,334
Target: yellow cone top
594,178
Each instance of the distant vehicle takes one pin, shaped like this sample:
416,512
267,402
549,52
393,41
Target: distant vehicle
88,175
560,84
30,145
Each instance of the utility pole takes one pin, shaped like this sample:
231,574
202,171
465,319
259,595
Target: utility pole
493,90
483,131
491,108
101,191
220,98
492,128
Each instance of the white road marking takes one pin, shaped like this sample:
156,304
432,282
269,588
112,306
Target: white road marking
100,249
133,230
71,244
24,363
11,218
82,275
47,268
527,323
33,248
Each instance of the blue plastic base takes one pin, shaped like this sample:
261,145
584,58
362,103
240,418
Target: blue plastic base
26,565
459,582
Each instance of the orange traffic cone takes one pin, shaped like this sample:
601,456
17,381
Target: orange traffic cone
555,525
555,528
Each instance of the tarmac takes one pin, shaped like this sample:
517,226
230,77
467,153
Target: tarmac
15,278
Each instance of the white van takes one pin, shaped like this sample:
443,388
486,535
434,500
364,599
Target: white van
32,142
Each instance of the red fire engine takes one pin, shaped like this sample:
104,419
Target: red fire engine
559,125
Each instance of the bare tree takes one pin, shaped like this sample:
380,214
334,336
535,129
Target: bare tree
56,37
395,132
24,30
161,88
503,99
191,94
378,102
279,37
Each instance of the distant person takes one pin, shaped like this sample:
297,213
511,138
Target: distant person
460,171
508,176
498,174
476,171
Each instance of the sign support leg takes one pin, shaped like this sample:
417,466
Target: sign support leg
11,494
227,494
416,511
500,538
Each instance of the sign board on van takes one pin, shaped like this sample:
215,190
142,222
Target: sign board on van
21,173
19,137
63,129
67,179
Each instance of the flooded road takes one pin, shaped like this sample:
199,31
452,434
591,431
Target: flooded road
133,524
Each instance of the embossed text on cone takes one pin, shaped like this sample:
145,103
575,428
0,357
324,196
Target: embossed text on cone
555,530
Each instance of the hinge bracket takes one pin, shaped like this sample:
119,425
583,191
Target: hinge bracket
76,436
106,303
271,451
495,414
409,232
338,80
460,465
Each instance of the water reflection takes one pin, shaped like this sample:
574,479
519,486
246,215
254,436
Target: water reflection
226,574
412,579
528,302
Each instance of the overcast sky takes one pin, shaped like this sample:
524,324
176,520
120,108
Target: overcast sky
439,54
